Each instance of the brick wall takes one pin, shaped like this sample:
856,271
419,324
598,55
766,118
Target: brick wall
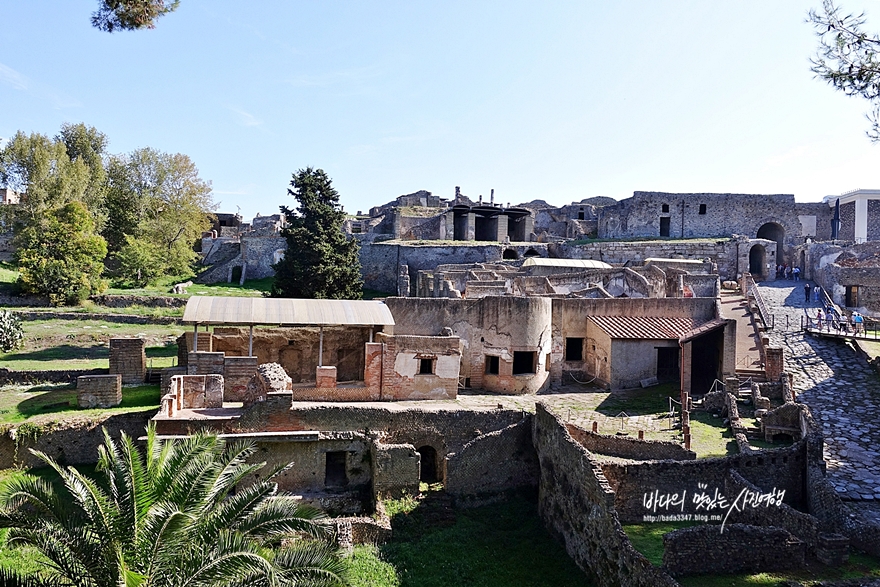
99,391
395,469
128,359
494,462
237,373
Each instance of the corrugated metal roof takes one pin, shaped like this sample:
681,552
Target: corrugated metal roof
584,263
286,312
649,327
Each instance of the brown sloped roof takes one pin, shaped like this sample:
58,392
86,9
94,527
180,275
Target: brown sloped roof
648,327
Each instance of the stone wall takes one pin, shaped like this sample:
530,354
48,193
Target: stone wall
771,470
126,301
419,367
128,359
380,261
395,469
576,504
237,374
494,462
629,448
69,443
99,391
740,548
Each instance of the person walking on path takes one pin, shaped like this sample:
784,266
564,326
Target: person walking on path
819,318
796,273
817,292
857,320
806,293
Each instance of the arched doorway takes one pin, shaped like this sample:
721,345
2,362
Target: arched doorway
510,254
758,260
531,253
774,232
428,466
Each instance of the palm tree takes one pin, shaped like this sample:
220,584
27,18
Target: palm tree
183,513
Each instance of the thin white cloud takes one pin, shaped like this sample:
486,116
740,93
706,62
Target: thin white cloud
245,118
21,82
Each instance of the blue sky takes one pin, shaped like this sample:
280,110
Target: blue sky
560,102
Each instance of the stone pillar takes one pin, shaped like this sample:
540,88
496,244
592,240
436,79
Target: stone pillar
731,385
373,364
744,283
500,227
832,549
774,363
686,367
403,282
128,359
99,391
861,223
471,230
325,377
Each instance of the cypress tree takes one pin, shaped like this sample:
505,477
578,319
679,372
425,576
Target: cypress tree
321,261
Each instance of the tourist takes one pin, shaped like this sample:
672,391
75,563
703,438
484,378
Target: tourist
806,293
787,272
817,292
819,318
857,321
829,318
796,273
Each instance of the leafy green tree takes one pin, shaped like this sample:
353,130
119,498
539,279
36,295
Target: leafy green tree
136,261
60,256
130,15
320,261
40,169
88,145
158,200
848,58
179,514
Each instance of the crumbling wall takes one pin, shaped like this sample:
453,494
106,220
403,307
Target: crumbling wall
576,503
740,548
395,469
629,448
494,462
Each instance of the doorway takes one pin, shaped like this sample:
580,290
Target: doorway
428,467
668,363
757,260
664,225
774,232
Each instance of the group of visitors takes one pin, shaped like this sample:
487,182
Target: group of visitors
831,320
814,291
786,272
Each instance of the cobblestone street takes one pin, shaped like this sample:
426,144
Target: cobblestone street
841,389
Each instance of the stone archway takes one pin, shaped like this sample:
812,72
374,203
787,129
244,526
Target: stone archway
510,254
774,231
758,261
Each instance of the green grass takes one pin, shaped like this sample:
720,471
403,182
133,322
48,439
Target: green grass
58,402
72,357
710,438
648,538
640,402
435,546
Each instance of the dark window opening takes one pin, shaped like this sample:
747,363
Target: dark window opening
664,208
702,208
524,362
428,465
581,215
664,226
236,274
492,365
334,473
510,254
668,366
574,349
426,366
531,253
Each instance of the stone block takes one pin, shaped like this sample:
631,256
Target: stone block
128,359
99,391
325,377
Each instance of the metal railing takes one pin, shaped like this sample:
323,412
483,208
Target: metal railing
767,318
868,330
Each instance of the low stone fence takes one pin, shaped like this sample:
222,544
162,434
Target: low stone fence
126,301
362,530
705,549
630,448
9,377
115,318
